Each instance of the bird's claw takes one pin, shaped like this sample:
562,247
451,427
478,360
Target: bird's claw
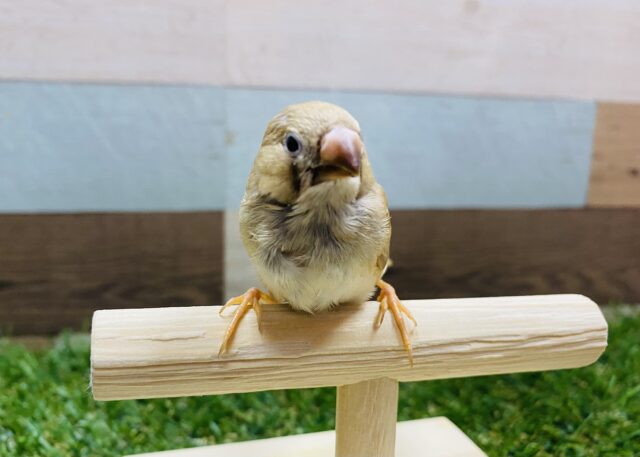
389,301
250,299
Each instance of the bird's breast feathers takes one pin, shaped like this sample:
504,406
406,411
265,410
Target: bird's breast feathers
321,251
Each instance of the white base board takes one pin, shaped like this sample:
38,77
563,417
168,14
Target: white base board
434,437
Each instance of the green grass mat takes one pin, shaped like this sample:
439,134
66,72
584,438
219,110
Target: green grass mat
47,410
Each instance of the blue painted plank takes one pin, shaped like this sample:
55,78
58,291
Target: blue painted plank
74,147
69,147
445,151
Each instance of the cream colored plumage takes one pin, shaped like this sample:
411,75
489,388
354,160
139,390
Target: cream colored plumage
313,218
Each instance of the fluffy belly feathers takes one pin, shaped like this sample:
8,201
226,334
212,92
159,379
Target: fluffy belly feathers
317,288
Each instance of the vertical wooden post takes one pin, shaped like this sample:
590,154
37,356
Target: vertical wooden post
366,415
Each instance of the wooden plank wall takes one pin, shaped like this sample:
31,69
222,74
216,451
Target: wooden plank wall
476,253
615,168
81,147
505,133
57,268
182,148
570,49
483,253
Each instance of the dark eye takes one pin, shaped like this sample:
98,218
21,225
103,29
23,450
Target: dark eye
292,144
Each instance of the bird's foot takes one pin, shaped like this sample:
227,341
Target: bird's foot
252,298
389,301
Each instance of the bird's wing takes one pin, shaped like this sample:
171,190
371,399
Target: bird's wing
382,214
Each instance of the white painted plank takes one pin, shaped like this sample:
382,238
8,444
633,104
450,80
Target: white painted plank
119,40
572,49
569,49
434,437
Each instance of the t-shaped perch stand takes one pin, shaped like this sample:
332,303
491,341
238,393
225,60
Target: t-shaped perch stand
170,352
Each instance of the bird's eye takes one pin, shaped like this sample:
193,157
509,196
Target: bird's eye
292,144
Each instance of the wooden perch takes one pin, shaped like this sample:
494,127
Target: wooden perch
169,352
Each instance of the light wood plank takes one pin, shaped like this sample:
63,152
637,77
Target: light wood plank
615,167
434,437
169,352
366,416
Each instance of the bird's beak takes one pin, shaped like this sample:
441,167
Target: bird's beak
340,153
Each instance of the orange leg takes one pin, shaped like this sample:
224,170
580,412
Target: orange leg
250,299
389,301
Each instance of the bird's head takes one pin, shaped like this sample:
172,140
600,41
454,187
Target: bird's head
310,150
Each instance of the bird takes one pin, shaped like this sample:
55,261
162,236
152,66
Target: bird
314,220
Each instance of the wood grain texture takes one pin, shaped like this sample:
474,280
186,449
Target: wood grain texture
366,416
121,40
570,49
441,254
442,151
433,437
55,270
170,352
70,148
615,166
484,253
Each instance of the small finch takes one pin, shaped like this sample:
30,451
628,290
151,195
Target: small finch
314,220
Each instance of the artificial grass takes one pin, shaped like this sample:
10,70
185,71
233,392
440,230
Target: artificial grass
47,410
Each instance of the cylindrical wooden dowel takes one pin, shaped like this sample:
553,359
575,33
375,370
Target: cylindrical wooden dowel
366,414
165,352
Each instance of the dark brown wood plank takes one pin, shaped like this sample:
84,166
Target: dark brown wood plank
55,270
595,252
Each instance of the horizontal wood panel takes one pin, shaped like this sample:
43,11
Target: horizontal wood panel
436,436
170,352
484,253
615,167
164,41
570,49
444,254
55,270
443,151
69,148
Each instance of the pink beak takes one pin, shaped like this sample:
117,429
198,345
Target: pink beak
342,148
